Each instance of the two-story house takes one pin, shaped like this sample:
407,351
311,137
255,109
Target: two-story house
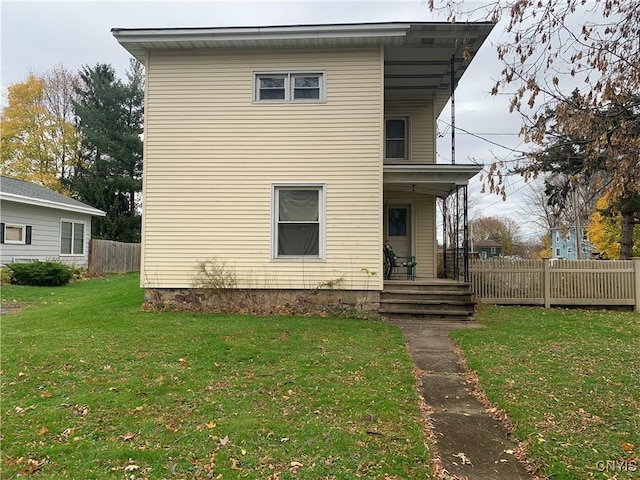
564,244
291,153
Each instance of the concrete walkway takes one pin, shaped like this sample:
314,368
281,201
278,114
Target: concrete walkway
470,444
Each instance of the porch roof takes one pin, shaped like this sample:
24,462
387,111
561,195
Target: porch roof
417,55
433,179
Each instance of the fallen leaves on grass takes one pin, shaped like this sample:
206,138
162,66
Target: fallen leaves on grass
28,466
128,436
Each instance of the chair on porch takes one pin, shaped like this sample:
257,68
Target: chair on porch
392,262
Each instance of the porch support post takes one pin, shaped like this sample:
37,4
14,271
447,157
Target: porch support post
456,259
444,237
466,234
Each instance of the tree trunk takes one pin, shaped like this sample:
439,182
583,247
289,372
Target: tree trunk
626,235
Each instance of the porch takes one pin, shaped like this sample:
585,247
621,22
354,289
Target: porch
410,215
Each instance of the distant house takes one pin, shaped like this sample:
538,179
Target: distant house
487,248
563,244
39,224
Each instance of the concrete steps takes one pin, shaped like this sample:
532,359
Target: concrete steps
426,299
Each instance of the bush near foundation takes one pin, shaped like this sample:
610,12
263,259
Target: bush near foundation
40,274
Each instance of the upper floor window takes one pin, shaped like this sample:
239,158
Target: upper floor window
396,138
289,87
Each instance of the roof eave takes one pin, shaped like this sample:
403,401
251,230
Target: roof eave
139,41
9,197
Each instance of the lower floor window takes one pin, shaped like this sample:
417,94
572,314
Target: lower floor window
17,234
14,234
298,221
71,238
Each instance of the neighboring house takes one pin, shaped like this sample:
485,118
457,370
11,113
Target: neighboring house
487,248
40,224
564,244
292,153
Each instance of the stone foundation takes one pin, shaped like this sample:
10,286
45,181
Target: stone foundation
264,301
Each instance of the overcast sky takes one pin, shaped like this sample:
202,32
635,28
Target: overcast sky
37,36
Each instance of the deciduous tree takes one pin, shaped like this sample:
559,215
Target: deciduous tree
503,230
547,49
605,229
39,137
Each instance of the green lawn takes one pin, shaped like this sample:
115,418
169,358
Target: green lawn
569,380
94,388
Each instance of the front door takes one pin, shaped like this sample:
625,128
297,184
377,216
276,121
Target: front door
399,228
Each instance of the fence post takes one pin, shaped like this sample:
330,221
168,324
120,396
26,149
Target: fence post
636,276
546,281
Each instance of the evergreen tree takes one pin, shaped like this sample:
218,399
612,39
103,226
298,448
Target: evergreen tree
109,174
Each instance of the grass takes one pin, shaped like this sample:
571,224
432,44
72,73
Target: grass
569,380
93,387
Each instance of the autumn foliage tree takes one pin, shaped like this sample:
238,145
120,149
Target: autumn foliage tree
547,50
605,229
39,140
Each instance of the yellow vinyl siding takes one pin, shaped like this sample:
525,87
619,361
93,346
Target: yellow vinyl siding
424,230
212,156
421,126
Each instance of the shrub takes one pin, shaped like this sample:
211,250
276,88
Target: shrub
5,275
41,274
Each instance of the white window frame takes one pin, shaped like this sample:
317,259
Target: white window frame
289,79
23,229
405,119
73,231
322,199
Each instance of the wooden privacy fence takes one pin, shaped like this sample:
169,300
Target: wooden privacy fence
557,282
107,256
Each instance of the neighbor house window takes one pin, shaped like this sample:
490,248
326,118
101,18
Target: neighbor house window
557,252
298,221
493,249
395,138
15,233
71,238
289,87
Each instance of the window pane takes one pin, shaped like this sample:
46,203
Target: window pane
395,149
65,238
12,234
78,238
272,94
299,239
395,129
309,82
298,205
304,93
271,82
